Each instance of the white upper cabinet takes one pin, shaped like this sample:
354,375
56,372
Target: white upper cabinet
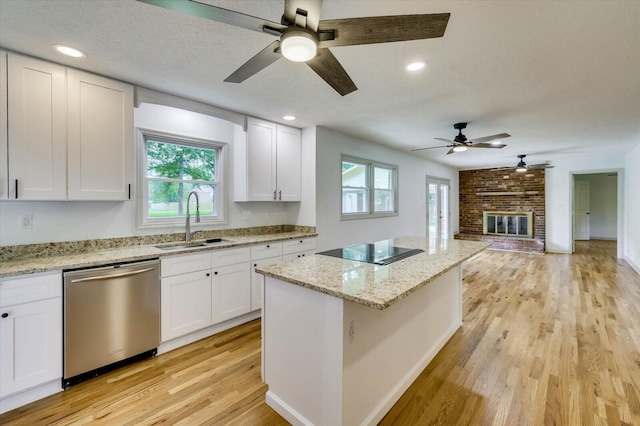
64,134
4,171
100,140
37,126
288,170
268,164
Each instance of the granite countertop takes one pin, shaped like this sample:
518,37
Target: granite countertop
33,265
373,285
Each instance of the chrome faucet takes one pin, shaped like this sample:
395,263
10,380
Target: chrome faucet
188,224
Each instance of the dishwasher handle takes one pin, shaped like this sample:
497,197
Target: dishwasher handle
104,277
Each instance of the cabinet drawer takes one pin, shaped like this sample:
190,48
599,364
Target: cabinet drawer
30,288
294,246
264,251
174,265
230,257
299,255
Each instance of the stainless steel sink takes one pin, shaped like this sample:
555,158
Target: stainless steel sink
182,246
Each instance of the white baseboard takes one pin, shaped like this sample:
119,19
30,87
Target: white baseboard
285,410
634,266
23,398
206,332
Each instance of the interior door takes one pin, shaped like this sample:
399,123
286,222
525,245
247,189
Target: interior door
437,208
582,207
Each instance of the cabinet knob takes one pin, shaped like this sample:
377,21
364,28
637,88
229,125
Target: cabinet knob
300,241
208,274
4,315
255,265
215,273
268,246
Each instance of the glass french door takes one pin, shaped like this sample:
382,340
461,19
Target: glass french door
437,208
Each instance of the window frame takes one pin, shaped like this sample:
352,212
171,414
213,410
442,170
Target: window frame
143,183
370,188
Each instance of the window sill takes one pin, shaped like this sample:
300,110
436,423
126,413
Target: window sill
367,216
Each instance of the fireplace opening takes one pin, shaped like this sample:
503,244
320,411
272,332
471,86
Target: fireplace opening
508,224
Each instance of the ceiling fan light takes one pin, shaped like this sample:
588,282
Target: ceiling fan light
459,148
521,167
496,143
298,45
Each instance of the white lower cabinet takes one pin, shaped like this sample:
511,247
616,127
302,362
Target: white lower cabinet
231,292
30,333
257,281
185,304
297,255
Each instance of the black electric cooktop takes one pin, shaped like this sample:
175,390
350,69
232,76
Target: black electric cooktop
380,253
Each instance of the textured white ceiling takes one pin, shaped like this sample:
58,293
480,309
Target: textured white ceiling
562,77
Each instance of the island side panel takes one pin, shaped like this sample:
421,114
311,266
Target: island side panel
390,348
302,351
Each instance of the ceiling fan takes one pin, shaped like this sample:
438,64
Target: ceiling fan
523,167
303,37
460,143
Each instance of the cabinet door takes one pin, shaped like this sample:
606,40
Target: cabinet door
261,160
4,170
100,137
185,304
231,292
257,281
288,164
37,117
30,345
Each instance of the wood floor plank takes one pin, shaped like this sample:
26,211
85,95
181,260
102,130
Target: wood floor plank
546,339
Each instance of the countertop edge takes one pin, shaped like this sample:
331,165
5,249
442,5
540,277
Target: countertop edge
111,256
383,304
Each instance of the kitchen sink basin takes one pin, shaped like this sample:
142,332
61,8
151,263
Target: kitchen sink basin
182,246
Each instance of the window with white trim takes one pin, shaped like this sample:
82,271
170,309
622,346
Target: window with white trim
171,168
369,188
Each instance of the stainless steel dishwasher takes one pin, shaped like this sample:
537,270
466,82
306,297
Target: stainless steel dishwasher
111,317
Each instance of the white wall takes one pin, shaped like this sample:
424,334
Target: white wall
333,232
73,220
304,213
559,196
632,208
603,211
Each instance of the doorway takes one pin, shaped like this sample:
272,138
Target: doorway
597,207
438,191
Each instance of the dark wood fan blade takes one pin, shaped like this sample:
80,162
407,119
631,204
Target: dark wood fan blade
540,166
312,7
219,14
382,29
446,140
432,147
327,66
491,138
263,59
486,145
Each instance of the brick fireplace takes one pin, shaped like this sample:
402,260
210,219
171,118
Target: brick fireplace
507,200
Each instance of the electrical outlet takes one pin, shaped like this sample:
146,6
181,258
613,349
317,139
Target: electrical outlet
26,221
352,331
246,215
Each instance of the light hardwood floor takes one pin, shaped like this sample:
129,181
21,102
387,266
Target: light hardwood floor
546,340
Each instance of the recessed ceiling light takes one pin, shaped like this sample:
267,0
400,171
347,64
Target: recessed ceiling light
69,51
415,66
289,117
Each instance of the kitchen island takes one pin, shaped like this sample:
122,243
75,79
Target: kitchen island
343,339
